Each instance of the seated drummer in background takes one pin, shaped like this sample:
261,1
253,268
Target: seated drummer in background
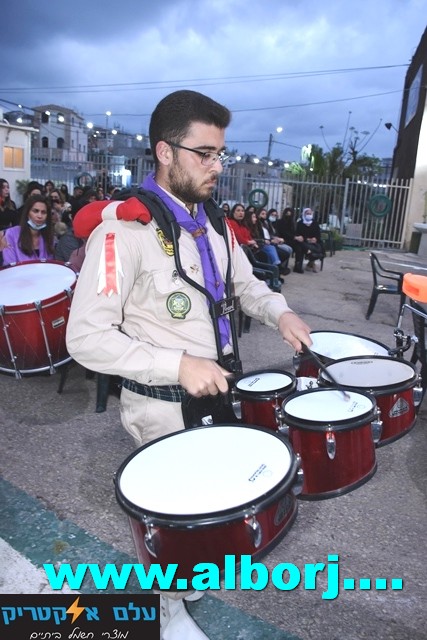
33,238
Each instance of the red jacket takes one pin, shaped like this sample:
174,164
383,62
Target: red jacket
242,233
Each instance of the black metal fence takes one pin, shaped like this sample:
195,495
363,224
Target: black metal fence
366,212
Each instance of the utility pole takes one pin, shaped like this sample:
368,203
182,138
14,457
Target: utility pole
270,144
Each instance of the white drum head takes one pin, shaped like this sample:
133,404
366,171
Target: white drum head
342,345
263,382
28,283
328,405
205,470
368,373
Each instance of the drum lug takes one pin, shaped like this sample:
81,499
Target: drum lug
331,445
377,427
418,391
149,540
236,405
283,428
278,414
297,487
296,361
255,530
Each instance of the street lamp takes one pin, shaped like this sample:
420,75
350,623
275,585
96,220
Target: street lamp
390,125
270,140
107,115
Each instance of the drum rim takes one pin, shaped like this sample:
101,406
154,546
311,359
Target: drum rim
380,389
26,307
322,426
264,395
212,518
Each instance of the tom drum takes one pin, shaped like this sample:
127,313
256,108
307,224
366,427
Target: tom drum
335,345
203,493
393,384
334,436
261,394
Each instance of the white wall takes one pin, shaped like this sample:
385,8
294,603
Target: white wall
15,137
418,201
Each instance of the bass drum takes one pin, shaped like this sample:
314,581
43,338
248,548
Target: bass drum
35,301
335,345
334,435
201,494
392,383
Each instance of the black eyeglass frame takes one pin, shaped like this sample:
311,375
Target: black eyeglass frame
208,158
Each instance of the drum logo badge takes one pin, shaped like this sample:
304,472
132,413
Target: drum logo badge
178,305
58,322
399,408
166,244
283,508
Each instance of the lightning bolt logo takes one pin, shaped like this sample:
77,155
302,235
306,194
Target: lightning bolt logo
75,610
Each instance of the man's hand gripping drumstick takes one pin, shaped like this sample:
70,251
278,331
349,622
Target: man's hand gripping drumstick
294,331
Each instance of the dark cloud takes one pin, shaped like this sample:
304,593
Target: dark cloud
235,51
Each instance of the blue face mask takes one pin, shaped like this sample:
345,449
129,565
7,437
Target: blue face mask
36,227
272,218
308,218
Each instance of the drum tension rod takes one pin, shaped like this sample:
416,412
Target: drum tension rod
18,374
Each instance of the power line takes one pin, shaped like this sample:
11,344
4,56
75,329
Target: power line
188,82
269,108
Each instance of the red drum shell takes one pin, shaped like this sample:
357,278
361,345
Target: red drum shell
22,324
330,346
261,394
354,462
390,381
188,539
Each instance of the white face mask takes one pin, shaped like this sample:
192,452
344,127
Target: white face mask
272,218
309,218
36,227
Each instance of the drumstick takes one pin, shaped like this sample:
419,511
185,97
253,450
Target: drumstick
324,369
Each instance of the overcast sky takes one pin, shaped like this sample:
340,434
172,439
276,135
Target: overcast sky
298,64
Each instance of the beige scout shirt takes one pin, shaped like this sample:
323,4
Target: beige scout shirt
141,332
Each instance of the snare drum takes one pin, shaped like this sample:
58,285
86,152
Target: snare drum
261,394
335,345
35,300
201,494
334,437
391,381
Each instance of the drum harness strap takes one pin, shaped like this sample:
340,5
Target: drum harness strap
170,228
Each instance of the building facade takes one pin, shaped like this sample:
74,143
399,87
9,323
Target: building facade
410,154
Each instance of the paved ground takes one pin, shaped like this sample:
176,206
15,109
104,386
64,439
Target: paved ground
58,458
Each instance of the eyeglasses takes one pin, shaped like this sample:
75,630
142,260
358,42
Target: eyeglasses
208,157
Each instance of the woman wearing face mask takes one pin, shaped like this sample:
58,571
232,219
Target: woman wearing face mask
33,238
307,235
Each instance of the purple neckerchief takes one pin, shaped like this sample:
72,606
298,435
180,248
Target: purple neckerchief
197,227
